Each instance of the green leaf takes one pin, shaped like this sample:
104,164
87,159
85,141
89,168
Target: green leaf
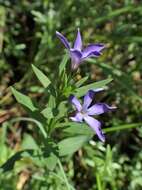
62,109
51,102
29,142
23,99
49,154
10,163
63,63
77,128
47,113
39,17
81,81
72,144
51,161
41,77
41,157
83,90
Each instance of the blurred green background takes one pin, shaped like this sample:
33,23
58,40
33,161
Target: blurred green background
27,36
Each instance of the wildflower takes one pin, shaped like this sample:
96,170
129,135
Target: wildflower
85,112
78,54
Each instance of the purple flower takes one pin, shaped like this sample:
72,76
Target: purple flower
85,112
78,54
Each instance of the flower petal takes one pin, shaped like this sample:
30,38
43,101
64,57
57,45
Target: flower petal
75,102
92,50
88,99
99,108
96,126
78,41
77,118
75,58
63,40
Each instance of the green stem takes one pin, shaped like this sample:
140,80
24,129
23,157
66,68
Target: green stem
122,127
64,175
40,126
99,186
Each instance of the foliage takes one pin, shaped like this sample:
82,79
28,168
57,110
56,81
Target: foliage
40,147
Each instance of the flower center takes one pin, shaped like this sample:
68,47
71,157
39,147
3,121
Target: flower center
83,113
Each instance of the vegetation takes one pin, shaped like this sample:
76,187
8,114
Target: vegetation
40,148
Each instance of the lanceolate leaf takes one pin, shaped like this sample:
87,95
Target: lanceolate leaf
63,63
29,142
23,99
82,90
77,128
51,161
47,113
41,77
81,81
72,144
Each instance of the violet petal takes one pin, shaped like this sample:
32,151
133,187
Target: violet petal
63,40
75,102
88,99
99,108
75,58
92,49
96,126
78,41
77,118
